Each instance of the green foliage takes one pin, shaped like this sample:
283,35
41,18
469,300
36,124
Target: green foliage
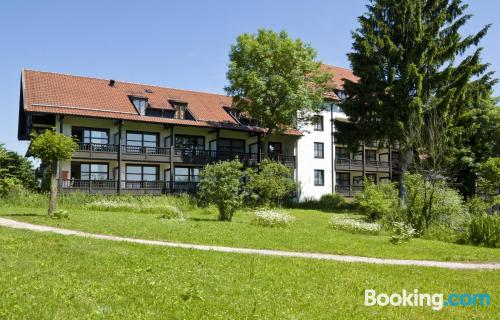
479,140
402,232
433,202
50,146
273,183
484,230
172,213
13,165
355,226
61,214
274,78
9,186
489,180
330,202
378,201
409,67
220,184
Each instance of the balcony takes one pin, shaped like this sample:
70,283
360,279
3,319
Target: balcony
97,151
348,190
357,165
127,187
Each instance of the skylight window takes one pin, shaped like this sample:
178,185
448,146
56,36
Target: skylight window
140,104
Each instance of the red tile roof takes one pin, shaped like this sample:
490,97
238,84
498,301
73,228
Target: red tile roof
339,74
56,93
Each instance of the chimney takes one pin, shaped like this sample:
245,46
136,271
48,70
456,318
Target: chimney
111,82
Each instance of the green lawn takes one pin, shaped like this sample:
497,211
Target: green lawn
311,232
46,276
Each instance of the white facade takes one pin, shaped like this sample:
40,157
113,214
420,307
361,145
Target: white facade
308,161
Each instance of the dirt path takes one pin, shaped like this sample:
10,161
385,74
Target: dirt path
307,255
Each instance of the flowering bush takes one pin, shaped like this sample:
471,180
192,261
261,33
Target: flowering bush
272,218
402,232
355,225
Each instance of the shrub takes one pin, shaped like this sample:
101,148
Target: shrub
432,202
489,180
272,218
171,212
402,232
484,230
10,186
355,226
273,183
61,214
377,201
329,202
220,184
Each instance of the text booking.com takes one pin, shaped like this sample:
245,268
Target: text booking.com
436,301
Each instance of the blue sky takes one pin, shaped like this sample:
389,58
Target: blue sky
182,44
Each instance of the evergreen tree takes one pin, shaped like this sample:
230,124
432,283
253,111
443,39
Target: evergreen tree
412,62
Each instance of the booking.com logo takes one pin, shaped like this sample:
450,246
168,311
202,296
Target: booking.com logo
435,300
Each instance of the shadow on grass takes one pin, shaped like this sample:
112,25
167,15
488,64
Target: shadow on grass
22,215
203,219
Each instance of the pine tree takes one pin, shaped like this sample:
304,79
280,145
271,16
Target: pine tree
412,62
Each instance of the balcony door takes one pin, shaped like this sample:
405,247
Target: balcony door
97,138
140,142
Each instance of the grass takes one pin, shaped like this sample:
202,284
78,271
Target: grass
311,231
46,276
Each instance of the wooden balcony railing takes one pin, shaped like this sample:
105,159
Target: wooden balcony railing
127,186
162,154
348,190
357,165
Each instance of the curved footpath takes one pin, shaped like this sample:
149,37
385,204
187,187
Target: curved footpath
307,255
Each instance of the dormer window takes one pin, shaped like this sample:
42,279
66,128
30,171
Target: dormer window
140,104
341,94
180,110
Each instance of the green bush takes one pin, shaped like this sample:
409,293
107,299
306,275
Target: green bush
378,201
432,202
172,213
272,184
401,232
330,202
484,230
10,186
220,184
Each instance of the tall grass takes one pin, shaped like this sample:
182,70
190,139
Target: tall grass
98,202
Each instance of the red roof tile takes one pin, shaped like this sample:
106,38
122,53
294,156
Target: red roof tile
56,93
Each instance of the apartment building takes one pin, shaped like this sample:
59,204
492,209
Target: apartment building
145,139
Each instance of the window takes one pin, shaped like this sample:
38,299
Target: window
343,179
341,153
90,135
341,94
141,173
319,150
318,123
93,171
190,142
254,148
274,148
140,104
371,157
319,177
141,139
231,145
186,174
372,177
180,110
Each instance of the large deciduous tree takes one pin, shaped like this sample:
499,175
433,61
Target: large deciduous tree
414,67
14,165
51,147
275,80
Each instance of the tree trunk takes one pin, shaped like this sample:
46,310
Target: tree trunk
53,188
405,159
